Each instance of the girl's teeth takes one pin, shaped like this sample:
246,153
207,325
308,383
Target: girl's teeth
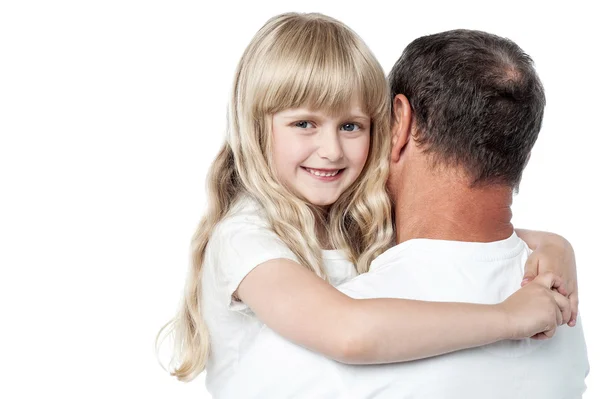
323,174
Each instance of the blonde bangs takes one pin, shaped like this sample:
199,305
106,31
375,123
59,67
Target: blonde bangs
320,65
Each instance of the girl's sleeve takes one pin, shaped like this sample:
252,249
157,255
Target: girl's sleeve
237,246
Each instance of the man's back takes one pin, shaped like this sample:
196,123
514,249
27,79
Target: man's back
431,270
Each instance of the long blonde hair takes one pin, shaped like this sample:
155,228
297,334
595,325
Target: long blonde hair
294,60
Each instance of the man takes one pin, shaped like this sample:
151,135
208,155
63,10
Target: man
467,109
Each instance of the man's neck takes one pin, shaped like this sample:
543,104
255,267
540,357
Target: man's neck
444,207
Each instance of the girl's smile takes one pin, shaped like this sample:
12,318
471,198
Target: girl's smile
324,174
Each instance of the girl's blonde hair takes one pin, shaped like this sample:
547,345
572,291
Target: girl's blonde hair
295,60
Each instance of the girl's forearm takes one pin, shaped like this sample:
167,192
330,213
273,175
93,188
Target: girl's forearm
422,329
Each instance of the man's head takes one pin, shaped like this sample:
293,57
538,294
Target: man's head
470,100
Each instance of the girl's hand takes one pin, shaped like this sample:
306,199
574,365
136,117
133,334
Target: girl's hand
552,253
537,309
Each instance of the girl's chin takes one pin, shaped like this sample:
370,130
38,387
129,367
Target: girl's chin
322,201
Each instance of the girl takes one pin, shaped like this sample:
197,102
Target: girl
297,199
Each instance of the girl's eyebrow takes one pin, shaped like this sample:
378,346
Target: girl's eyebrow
361,117
294,113
302,114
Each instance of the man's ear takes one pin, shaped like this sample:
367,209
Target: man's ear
401,125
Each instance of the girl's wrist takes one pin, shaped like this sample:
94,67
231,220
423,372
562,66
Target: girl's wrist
503,323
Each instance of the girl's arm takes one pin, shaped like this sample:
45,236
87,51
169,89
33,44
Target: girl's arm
310,312
555,254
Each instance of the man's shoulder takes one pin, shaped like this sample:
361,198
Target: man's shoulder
372,284
421,269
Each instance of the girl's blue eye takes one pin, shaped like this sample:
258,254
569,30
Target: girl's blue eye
303,124
350,127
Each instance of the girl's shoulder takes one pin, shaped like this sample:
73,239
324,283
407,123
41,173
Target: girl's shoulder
245,214
241,241
245,231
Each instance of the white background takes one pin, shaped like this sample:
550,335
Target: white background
110,114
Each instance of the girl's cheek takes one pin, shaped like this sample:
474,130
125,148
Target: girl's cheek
361,150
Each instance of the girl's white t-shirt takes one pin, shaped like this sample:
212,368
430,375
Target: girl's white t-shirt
239,243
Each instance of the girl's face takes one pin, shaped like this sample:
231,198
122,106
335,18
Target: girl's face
319,155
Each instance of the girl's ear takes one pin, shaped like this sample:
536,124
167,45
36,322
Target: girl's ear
401,125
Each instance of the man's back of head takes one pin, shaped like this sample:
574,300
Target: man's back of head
476,99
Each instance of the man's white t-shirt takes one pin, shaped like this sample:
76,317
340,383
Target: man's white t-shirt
239,243
432,270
